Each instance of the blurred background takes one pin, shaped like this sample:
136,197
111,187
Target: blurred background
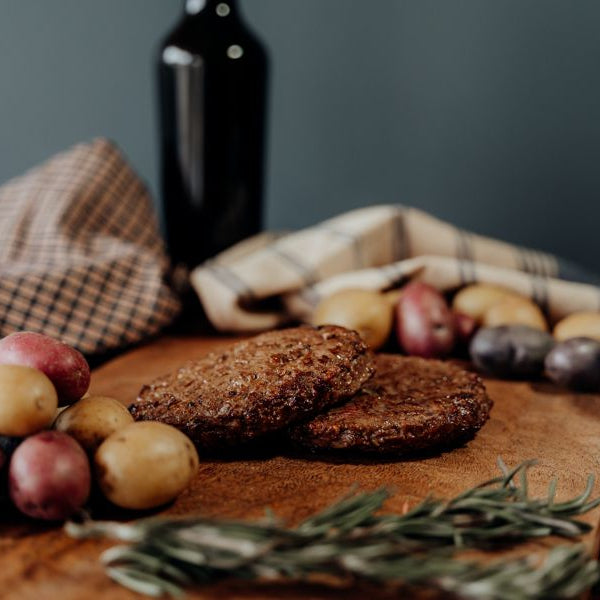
481,112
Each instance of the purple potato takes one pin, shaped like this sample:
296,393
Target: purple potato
49,476
511,351
575,363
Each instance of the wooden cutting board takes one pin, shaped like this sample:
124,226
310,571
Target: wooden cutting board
560,429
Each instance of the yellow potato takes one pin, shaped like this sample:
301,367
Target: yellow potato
393,296
580,324
28,400
515,311
368,313
476,299
91,420
145,465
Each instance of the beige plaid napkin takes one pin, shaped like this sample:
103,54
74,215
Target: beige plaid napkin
273,279
81,258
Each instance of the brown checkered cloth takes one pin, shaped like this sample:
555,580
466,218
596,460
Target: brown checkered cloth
81,258
271,279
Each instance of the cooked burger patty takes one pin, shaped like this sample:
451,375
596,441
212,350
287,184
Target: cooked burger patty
411,404
259,385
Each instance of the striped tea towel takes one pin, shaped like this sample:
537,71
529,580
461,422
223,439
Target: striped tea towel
81,258
271,279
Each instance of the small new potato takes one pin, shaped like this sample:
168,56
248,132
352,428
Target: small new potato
145,464
579,324
424,323
575,363
65,366
28,400
515,311
464,327
49,476
510,350
91,420
393,296
369,313
476,299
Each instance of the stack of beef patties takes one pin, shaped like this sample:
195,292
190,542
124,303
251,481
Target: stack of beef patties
323,389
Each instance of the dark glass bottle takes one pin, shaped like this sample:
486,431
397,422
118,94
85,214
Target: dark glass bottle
212,84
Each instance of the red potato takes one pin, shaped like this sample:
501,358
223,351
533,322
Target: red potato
464,327
49,476
424,323
66,367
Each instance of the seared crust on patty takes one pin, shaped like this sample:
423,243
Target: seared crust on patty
259,385
411,404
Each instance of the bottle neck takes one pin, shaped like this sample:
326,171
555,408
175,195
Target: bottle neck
221,8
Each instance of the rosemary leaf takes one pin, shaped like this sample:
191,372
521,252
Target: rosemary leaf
351,540
142,583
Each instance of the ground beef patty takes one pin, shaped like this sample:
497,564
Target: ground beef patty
259,385
411,404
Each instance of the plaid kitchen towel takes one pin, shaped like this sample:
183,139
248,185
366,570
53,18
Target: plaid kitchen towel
273,279
81,258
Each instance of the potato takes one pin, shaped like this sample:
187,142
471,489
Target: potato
580,324
27,400
475,299
515,311
510,350
424,323
49,476
575,363
369,313
464,327
66,367
91,420
145,465
393,296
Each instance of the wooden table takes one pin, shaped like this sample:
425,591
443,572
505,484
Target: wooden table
559,428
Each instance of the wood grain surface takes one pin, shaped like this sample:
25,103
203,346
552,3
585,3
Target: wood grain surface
528,420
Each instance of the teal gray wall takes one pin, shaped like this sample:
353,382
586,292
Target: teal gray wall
484,112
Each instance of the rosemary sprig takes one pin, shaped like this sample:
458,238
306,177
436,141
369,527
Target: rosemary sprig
350,540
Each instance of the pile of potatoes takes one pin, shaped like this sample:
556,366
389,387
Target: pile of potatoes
506,334
423,322
514,339
50,456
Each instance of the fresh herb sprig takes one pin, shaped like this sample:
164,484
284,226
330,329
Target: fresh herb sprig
350,540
